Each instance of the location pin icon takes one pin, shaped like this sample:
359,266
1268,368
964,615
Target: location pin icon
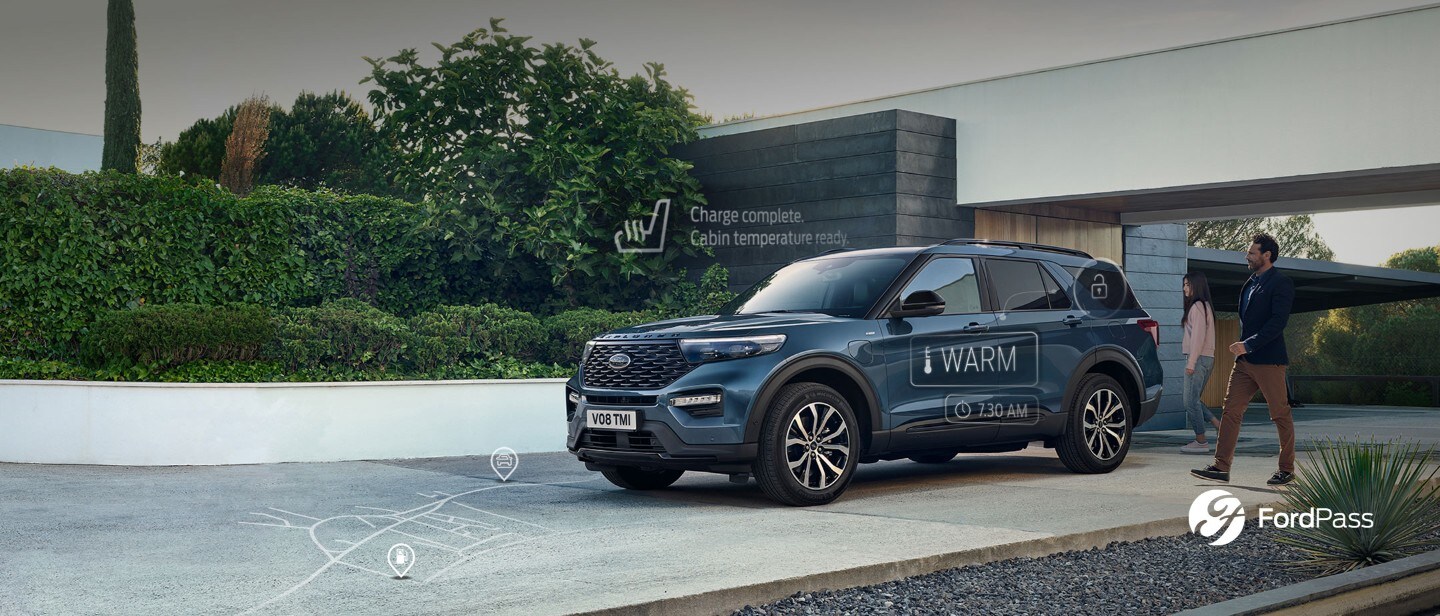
401,558
503,462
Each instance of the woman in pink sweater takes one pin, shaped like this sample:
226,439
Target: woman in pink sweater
1198,345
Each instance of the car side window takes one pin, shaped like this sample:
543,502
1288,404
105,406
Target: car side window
954,279
1058,299
1018,285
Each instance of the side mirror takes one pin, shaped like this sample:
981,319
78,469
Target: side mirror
920,304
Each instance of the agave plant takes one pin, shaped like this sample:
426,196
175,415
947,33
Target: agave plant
1393,481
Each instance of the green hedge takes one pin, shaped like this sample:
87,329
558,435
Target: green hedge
345,333
73,246
570,330
482,331
340,340
360,246
175,334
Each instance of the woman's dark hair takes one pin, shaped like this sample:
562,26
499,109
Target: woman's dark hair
1199,292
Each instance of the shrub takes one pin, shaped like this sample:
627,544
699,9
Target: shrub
688,299
206,371
501,367
484,330
345,333
174,334
1389,480
42,370
570,330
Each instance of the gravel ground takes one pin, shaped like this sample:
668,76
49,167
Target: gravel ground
1152,576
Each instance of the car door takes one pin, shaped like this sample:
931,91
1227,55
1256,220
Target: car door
1034,313
925,392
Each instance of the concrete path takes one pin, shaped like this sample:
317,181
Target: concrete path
1318,422
313,538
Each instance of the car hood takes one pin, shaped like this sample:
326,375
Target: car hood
720,326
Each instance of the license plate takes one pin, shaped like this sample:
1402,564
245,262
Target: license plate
611,420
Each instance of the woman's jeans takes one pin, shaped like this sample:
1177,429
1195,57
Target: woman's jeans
1196,412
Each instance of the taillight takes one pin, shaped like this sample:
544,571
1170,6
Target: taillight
1152,327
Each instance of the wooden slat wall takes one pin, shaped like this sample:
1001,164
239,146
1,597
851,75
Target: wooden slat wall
1004,226
1226,332
1097,238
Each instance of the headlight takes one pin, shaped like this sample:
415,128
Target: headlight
584,355
712,349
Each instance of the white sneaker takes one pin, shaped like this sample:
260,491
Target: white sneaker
1196,447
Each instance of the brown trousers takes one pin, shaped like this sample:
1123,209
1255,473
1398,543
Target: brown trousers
1245,380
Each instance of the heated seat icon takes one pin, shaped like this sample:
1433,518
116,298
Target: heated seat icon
635,237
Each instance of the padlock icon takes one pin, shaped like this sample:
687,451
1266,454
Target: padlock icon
1098,290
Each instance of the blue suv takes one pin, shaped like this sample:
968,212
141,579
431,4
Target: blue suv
867,355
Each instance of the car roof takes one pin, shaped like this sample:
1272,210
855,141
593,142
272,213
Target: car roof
1059,256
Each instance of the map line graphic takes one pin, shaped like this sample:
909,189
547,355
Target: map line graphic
476,533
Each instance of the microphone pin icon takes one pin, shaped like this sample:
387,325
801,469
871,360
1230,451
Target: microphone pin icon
401,558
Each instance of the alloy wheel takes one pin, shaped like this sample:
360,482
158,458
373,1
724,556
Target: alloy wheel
817,445
1104,423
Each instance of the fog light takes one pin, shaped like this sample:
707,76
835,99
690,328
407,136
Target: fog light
574,398
695,400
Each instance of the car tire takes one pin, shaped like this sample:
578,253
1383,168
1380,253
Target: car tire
933,458
635,478
1098,426
809,446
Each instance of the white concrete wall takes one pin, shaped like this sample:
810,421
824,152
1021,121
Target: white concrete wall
70,422
34,147
1360,94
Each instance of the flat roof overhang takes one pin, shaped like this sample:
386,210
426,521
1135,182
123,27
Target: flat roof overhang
1319,285
1304,194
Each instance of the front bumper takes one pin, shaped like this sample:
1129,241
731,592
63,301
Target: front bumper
667,436
655,445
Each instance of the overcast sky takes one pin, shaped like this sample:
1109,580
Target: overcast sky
198,57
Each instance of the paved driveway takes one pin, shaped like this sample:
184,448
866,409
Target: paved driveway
313,538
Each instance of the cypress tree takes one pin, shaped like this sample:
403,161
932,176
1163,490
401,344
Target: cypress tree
122,89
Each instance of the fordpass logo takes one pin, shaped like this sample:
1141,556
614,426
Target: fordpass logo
1217,513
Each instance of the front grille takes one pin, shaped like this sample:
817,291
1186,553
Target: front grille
621,400
652,366
621,441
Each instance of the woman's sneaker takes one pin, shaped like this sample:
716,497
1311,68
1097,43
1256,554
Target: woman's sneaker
1196,447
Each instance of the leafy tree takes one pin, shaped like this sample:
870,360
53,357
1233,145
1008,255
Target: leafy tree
1296,235
198,151
1297,238
1396,338
122,89
322,140
533,158
148,159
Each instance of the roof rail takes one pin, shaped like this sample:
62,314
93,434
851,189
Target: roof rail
1021,245
827,252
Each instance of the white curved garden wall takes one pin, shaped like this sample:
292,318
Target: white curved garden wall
73,422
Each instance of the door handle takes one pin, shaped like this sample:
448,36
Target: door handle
975,328
1071,320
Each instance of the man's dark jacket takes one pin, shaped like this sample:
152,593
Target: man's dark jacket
1263,317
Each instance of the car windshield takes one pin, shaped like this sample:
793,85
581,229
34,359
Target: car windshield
843,286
